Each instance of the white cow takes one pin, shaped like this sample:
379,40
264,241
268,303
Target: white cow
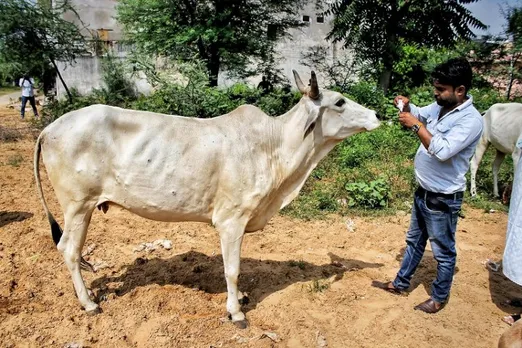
234,171
503,129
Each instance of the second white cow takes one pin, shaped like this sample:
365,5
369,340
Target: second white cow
234,171
502,129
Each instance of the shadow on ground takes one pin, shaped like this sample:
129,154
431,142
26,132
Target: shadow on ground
6,217
258,278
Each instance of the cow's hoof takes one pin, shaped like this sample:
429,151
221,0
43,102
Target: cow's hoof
241,324
94,311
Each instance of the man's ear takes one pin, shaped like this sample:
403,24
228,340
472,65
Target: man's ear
460,90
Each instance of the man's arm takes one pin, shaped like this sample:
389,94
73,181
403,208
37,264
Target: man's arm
421,114
408,120
446,145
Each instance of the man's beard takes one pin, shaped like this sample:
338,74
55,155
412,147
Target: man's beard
446,102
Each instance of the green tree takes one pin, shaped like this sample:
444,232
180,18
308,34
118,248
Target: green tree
339,73
376,29
226,34
35,36
514,49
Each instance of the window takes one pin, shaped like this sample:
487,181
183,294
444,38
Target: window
320,19
306,18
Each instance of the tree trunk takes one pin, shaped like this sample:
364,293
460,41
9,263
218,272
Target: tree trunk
511,77
69,95
213,64
384,79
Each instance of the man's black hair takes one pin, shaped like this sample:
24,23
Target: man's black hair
455,72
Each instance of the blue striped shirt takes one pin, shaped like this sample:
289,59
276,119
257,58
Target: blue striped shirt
442,167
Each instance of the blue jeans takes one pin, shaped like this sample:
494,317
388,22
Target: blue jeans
434,219
24,103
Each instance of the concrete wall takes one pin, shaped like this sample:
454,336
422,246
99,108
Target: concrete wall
84,75
302,40
87,73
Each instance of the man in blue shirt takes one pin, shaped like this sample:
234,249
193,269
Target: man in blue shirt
449,131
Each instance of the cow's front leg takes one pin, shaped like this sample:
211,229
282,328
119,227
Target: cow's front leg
231,234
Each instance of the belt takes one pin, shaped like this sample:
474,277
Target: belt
425,193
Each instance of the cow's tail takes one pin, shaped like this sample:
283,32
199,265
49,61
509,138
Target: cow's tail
56,230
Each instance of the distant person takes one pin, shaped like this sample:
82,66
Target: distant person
512,260
27,84
265,85
449,131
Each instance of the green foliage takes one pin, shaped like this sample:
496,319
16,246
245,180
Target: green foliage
224,34
117,91
376,30
367,159
487,204
118,87
9,71
422,96
196,99
483,98
374,194
33,35
15,160
318,285
369,95
57,108
416,62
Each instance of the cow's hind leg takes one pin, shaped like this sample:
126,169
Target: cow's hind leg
231,233
499,158
77,219
482,146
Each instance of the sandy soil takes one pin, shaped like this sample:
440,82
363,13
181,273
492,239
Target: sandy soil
176,298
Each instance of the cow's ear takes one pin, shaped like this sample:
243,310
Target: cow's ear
300,85
310,122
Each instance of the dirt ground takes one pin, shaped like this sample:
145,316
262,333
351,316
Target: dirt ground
299,294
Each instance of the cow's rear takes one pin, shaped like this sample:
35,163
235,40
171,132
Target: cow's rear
502,129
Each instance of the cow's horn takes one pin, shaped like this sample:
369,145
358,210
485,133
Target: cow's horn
299,83
314,88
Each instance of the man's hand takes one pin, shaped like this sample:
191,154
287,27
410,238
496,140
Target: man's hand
407,119
405,102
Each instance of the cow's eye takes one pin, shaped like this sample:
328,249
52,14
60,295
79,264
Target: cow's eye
340,102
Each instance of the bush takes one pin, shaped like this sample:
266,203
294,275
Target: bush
118,91
369,95
485,97
118,88
374,194
364,160
57,108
